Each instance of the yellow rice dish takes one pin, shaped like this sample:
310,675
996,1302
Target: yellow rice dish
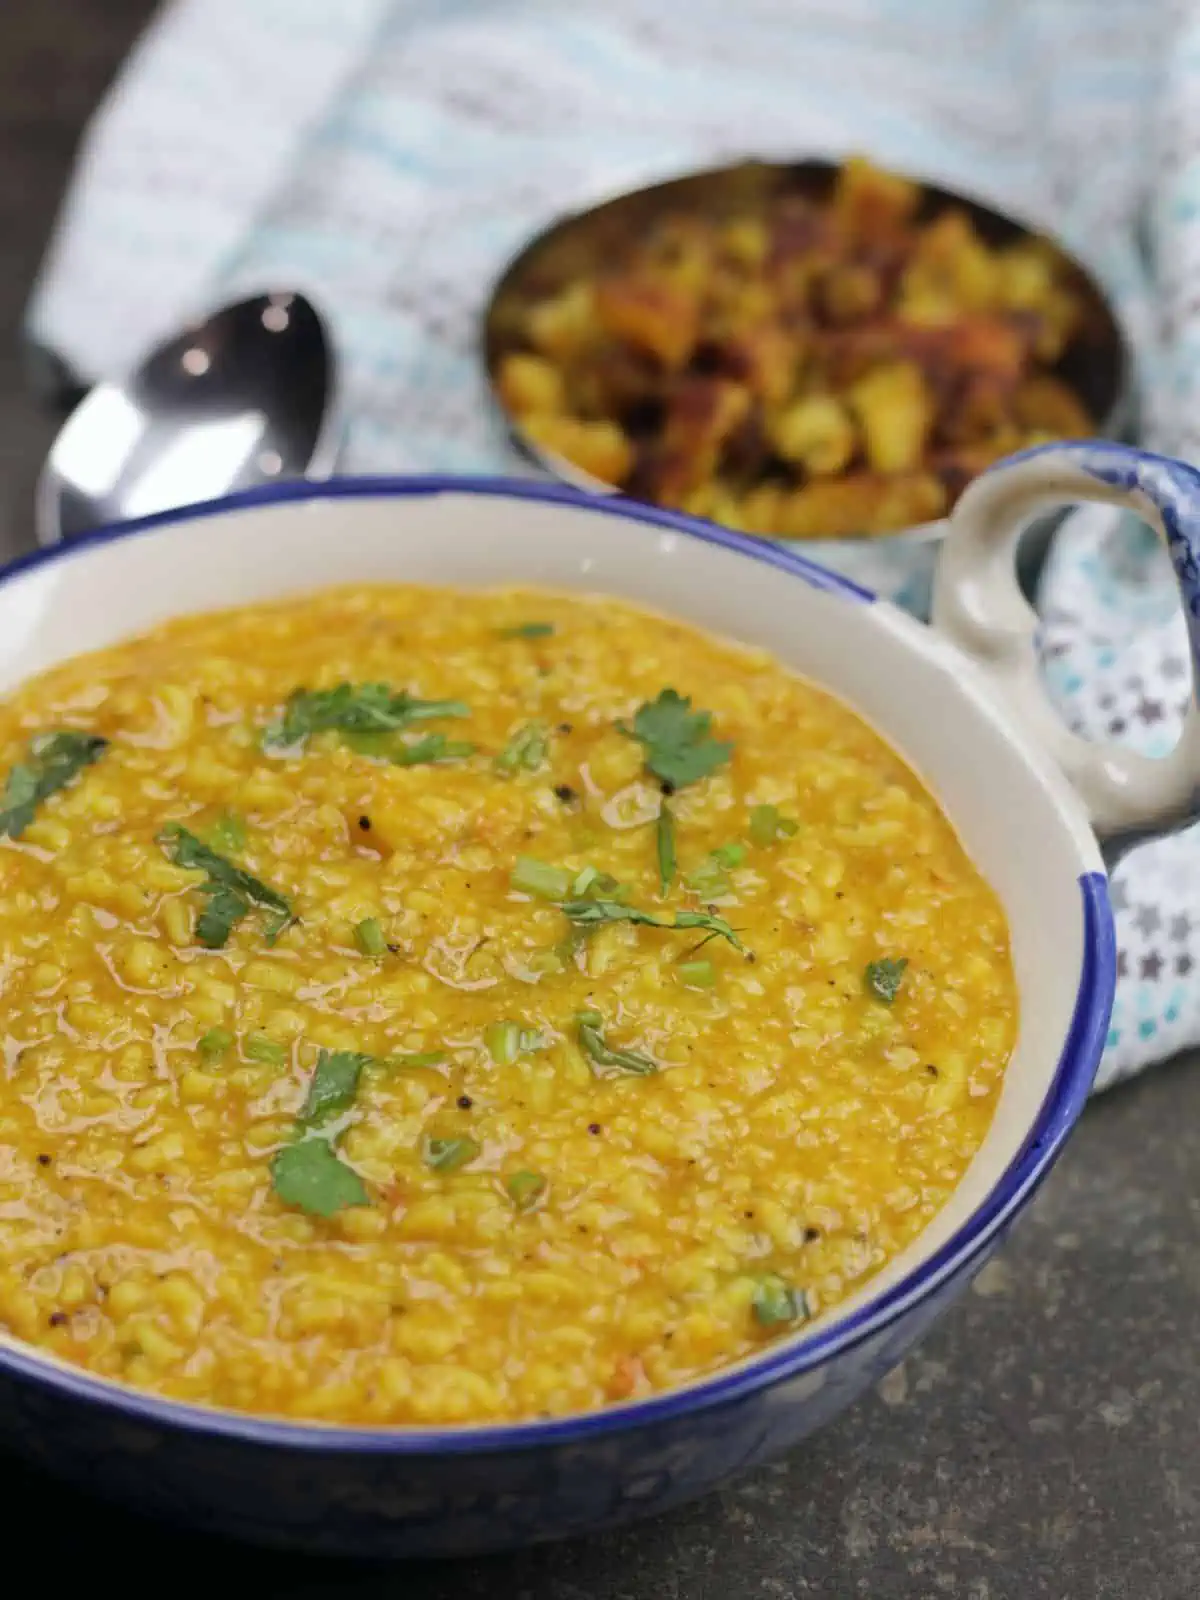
432,1007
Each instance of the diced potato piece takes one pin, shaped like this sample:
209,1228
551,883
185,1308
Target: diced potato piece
1024,275
650,314
1054,324
816,433
951,259
761,509
1045,403
895,410
869,204
530,383
987,344
907,502
829,508
981,405
850,293
682,250
560,326
600,448
746,241
766,359
718,503
860,502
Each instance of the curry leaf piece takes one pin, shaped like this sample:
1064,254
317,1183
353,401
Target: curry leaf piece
229,890
679,748
592,913
883,978
353,708
54,760
717,927
333,1085
601,1054
310,1175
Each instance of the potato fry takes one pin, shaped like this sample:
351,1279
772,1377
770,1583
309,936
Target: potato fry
800,367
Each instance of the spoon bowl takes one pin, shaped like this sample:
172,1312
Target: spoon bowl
242,398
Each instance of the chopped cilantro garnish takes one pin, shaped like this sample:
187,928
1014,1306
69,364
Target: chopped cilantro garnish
591,1039
54,759
767,825
333,1085
665,843
229,891
361,708
228,832
525,750
708,880
697,974
729,855
883,978
678,745
776,1302
311,1176
309,1173
528,630
433,747
419,1058
259,1048
214,1044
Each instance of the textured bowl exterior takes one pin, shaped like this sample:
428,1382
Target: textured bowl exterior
415,1493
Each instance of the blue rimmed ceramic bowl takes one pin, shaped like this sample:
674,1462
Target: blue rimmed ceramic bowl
997,772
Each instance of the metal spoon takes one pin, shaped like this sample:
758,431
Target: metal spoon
244,397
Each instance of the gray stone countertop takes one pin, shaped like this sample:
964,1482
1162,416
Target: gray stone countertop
1044,1442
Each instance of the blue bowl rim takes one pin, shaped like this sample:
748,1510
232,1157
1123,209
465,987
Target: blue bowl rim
792,1358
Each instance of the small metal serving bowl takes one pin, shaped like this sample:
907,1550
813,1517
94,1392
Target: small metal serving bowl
1097,364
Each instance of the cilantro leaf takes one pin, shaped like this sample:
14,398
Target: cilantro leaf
353,708
311,1176
601,1054
309,1173
333,1085
883,978
678,745
54,760
230,892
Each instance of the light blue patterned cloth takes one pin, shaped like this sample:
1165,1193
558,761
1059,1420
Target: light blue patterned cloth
388,156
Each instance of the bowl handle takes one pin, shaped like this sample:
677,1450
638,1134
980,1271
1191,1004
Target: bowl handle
978,604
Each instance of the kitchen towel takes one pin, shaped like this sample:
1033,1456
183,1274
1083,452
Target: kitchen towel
389,156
